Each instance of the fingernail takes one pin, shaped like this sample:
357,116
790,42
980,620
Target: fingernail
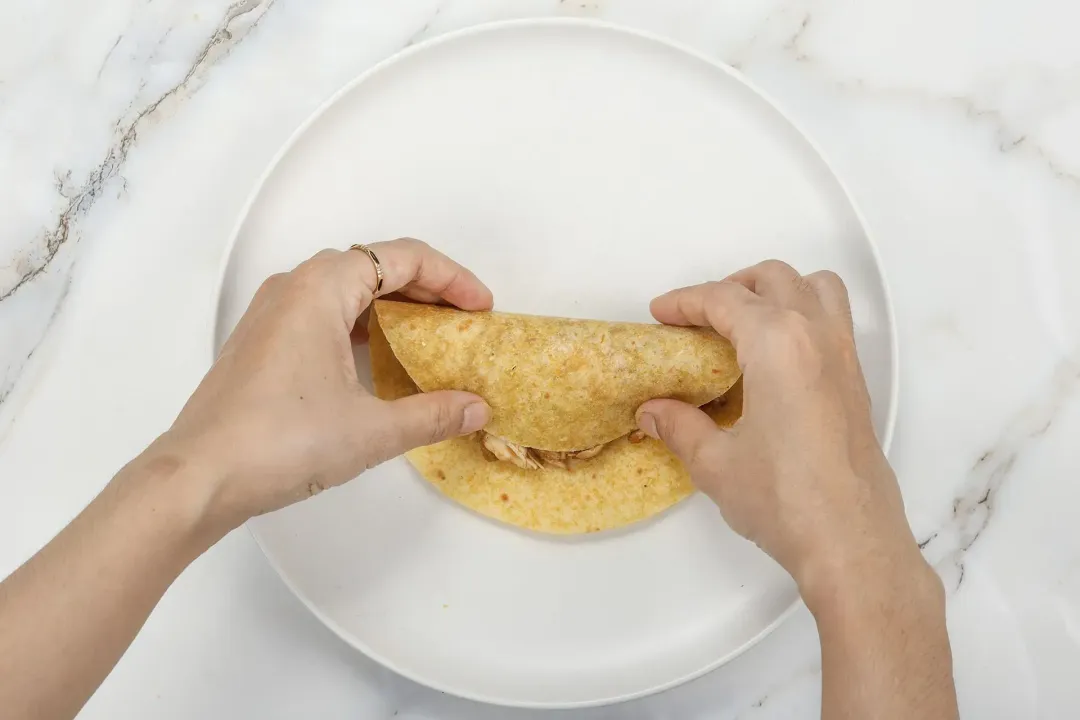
647,423
476,417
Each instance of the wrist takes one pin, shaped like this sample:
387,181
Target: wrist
179,489
870,580
866,550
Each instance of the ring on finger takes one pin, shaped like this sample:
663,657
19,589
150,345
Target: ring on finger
374,261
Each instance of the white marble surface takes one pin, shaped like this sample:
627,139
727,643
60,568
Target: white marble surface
131,132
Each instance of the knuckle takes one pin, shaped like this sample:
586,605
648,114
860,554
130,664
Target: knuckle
695,448
830,280
722,292
772,266
309,277
273,283
714,291
667,427
802,285
833,295
412,243
308,270
442,422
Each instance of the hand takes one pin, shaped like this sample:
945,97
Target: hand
802,474
281,415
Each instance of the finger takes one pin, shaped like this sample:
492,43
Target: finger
403,295
428,418
727,307
359,333
833,294
686,430
777,281
421,296
409,262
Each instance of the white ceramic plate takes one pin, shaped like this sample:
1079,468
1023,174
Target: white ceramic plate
580,170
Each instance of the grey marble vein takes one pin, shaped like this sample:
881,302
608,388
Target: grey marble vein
976,501
80,202
1009,138
239,19
794,43
422,33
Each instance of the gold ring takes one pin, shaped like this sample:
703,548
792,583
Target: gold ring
374,261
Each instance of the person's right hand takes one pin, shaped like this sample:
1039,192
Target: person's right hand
801,474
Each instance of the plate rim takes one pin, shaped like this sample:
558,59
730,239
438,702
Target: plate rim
511,24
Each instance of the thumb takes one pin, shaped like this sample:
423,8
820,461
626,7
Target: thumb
428,418
686,430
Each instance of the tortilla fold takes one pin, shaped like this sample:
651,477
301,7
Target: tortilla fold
555,383
627,482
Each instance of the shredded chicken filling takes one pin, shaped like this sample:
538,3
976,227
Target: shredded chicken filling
526,458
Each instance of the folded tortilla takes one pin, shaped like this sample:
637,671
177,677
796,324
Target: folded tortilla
554,384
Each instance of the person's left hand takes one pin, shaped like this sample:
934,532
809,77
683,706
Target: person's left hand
282,416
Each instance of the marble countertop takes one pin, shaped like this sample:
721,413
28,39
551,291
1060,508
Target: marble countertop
132,131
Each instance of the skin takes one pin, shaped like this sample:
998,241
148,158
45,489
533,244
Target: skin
802,475
282,416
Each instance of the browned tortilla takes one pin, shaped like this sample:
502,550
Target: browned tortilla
555,383
627,482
